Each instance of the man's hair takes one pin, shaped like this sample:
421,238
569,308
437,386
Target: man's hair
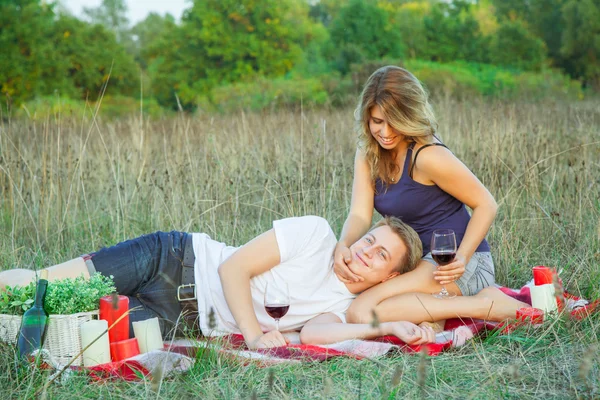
410,238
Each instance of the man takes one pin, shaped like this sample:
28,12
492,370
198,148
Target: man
166,273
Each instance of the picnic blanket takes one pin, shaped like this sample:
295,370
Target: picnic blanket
179,355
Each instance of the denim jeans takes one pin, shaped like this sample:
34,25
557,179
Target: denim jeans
148,271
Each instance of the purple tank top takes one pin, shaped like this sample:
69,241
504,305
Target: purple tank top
423,207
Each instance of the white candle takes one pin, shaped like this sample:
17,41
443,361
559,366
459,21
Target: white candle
542,297
148,335
99,352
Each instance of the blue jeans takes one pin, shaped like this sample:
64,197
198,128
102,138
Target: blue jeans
148,271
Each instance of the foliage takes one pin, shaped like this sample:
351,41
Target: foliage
61,55
26,53
361,31
89,67
453,34
269,93
226,41
63,296
226,46
16,300
513,45
465,80
112,14
581,39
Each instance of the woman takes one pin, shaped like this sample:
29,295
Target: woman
403,169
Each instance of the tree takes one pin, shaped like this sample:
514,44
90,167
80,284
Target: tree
513,45
148,34
224,41
26,54
581,39
408,19
453,34
362,31
89,56
113,15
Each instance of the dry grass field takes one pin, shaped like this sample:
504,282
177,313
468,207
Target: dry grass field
71,184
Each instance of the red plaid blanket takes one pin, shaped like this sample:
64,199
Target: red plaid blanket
179,355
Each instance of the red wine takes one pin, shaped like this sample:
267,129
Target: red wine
34,323
276,311
443,257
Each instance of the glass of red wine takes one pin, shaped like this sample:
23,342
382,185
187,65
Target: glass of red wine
443,251
277,301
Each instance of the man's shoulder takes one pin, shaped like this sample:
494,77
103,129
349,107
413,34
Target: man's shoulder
306,223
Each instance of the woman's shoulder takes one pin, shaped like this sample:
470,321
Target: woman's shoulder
429,157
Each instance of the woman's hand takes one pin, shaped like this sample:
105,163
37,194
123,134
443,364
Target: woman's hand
410,333
268,340
341,257
451,272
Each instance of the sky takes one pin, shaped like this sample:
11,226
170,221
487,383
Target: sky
138,9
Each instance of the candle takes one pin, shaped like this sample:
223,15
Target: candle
543,275
110,311
534,315
542,297
124,349
148,335
99,351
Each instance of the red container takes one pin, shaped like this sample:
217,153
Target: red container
124,349
534,315
543,275
109,313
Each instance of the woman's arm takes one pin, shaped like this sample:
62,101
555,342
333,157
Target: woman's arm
329,328
418,280
359,218
441,167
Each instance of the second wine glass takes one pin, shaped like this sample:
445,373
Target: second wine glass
277,301
443,251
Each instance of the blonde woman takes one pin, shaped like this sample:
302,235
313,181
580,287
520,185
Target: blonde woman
403,169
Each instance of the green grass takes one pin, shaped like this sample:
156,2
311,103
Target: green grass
70,185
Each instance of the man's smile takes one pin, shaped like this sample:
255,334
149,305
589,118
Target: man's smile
361,260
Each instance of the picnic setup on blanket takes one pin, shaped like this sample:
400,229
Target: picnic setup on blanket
104,349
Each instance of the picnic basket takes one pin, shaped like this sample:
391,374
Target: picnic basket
63,338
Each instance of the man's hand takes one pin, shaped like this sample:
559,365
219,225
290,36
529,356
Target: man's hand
341,257
410,333
268,340
451,272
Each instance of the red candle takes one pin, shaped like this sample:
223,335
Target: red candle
124,349
543,275
534,315
110,313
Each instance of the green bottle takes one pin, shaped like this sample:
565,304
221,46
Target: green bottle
35,321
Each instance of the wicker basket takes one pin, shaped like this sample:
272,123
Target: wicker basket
63,338
9,328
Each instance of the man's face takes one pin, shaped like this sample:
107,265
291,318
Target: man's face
376,254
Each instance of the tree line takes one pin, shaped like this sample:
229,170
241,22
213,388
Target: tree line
221,48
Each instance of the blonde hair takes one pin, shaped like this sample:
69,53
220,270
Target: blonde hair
410,238
405,105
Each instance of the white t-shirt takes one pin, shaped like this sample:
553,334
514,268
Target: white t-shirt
306,248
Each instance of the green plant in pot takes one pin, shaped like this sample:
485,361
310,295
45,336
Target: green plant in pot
64,296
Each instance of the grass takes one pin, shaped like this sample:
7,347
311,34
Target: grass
70,185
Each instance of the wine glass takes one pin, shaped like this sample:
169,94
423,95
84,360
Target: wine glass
277,300
443,251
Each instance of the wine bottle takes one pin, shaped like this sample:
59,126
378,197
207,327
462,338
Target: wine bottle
35,321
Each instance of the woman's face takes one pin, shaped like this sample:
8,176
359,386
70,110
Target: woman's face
386,136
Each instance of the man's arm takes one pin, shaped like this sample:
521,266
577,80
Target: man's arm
255,257
329,328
